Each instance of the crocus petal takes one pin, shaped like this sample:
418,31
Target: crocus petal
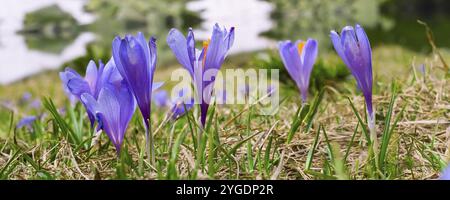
89,102
137,68
26,122
145,47
65,76
110,75
337,44
91,75
178,43
445,175
114,109
191,48
78,86
153,55
127,107
350,45
214,54
309,55
291,59
364,45
160,98
229,39
109,106
180,108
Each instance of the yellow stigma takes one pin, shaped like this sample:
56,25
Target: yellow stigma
300,47
206,43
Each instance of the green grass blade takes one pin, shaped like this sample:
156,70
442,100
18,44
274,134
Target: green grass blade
351,142
249,143
267,155
65,128
297,121
313,110
11,122
10,161
363,125
327,142
171,167
339,163
310,155
386,131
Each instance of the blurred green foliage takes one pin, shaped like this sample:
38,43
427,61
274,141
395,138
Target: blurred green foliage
314,19
405,30
49,29
385,21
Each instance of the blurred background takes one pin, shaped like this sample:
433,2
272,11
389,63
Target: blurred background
39,37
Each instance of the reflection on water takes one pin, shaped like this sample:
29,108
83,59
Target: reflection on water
17,59
250,17
259,24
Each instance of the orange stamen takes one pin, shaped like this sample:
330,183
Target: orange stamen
300,47
205,49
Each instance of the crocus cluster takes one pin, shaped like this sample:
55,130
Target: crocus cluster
202,63
110,92
95,79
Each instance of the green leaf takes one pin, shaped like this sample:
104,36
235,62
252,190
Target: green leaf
310,155
297,121
313,110
387,132
363,125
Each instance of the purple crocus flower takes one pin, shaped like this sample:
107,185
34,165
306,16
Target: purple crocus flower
353,46
180,107
113,110
181,104
26,122
93,81
422,69
36,104
136,61
270,90
160,98
26,97
65,76
445,175
298,59
200,63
